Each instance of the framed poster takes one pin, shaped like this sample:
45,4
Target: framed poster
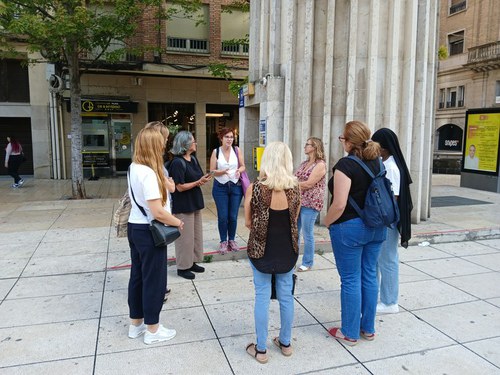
482,140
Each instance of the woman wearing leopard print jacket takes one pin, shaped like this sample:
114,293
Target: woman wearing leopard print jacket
272,206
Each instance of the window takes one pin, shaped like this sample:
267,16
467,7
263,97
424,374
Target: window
235,26
455,97
442,98
457,6
14,81
497,93
188,33
456,43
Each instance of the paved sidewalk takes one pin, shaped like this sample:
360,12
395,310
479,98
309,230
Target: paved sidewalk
63,293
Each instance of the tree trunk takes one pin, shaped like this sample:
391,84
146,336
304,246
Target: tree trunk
77,182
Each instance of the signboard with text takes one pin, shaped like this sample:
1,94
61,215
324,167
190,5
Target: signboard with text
482,140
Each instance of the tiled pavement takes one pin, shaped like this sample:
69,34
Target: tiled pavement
63,309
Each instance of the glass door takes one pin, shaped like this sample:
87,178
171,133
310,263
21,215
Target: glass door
122,145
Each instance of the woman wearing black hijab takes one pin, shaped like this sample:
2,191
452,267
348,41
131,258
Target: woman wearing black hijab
388,262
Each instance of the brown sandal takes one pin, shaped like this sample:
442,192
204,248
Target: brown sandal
259,356
285,350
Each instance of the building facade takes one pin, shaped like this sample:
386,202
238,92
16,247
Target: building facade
171,82
317,64
468,77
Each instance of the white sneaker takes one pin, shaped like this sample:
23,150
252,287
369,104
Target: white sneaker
382,308
135,331
162,334
303,268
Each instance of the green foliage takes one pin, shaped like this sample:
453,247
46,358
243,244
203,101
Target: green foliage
442,53
241,5
208,258
56,27
222,71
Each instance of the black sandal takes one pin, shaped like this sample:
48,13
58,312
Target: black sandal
254,352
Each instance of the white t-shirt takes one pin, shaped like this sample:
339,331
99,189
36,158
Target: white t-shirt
232,164
471,163
142,180
393,174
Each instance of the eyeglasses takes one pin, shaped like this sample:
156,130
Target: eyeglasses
308,144
341,138
228,137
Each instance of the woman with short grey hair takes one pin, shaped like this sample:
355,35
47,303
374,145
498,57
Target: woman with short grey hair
187,203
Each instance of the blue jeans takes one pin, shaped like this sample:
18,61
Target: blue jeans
356,248
227,199
307,218
262,283
388,268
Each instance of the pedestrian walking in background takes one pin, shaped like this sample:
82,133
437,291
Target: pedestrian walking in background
148,189
226,165
13,158
272,207
356,246
187,203
388,261
311,175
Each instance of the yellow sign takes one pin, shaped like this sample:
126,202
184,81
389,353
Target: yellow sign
482,142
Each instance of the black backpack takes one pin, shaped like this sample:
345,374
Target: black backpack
381,208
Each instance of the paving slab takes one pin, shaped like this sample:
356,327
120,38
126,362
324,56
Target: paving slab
488,349
489,261
450,360
483,286
200,357
47,342
75,366
448,267
464,322
5,287
56,265
465,248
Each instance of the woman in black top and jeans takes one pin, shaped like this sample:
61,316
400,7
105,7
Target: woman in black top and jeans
187,203
356,247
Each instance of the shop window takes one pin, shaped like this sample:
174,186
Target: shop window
188,32
450,138
14,81
456,43
177,116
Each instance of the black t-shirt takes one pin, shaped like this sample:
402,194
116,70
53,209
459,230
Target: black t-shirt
183,171
360,181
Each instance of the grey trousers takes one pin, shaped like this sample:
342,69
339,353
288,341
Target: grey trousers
189,246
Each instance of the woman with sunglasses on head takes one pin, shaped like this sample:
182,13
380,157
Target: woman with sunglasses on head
388,261
187,203
311,175
148,189
226,165
356,246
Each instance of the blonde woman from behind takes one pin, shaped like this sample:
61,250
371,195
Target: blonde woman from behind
272,207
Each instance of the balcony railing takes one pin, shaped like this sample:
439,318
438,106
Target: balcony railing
458,7
460,103
123,57
234,49
187,45
484,57
441,105
485,52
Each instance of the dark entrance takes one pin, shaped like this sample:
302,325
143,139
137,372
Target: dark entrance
19,127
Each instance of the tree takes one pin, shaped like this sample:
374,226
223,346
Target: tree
65,31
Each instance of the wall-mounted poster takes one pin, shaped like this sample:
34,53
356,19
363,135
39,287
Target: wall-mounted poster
482,140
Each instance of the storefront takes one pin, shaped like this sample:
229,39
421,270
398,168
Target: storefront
106,136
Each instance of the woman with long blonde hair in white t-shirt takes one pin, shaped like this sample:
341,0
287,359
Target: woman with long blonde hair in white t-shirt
148,189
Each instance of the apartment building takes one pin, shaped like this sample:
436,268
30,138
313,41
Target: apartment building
469,77
171,83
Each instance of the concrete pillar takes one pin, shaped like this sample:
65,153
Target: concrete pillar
369,60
